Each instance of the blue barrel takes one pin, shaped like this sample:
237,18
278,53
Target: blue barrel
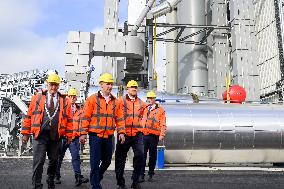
161,157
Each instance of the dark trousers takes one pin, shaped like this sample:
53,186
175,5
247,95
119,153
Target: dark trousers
100,158
136,142
74,148
41,146
150,144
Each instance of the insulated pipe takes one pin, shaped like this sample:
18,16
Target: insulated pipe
164,8
192,59
224,133
172,56
140,19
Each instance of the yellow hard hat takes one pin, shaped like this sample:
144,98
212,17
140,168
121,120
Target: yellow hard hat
132,83
151,94
72,92
106,77
53,78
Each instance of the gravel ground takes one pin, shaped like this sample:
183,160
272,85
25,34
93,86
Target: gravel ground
16,173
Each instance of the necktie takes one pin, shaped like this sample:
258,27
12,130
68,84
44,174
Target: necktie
51,104
149,110
73,110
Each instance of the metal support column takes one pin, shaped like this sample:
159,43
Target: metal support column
172,56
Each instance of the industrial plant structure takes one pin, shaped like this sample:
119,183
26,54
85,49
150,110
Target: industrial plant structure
184,49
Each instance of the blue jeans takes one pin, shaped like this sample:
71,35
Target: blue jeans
100,158
74,148
150,144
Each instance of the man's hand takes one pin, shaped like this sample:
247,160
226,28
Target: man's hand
83,139
121,138
161,138
25,138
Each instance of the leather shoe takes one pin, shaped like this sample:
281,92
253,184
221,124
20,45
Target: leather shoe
136,186
50,185
141,178
121,187
150,179
57,181
80,179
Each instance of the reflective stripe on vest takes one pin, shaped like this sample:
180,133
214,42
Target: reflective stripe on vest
86,119
36,110
153,119
102,127
69,131
76,121
133,126
36,125
120,128
98,115
25,128
120,119
102,115
125,108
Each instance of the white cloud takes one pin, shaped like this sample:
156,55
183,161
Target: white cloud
34,52
21,49
98,30
15,14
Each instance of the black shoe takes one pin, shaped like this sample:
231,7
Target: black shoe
136,186
50,184
150,179
121,187
141,179
83,179
57,180
80,179
38,186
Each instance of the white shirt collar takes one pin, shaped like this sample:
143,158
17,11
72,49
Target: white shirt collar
49,95
54,98
131,97
107,98
151,106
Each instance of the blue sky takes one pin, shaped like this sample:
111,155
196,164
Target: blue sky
33,33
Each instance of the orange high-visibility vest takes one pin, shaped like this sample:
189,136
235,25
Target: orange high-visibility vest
77,118
33,120
132,111
154,121
102,118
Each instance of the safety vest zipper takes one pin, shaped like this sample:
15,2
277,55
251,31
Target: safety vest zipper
148,113
106,122
132,117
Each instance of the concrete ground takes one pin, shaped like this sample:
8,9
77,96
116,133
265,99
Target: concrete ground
16,173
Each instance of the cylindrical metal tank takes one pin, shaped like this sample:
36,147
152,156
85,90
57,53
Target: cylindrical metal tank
161,96
192,62
214,132
222,133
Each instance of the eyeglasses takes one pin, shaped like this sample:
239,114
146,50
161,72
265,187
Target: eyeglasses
53,84
134,87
